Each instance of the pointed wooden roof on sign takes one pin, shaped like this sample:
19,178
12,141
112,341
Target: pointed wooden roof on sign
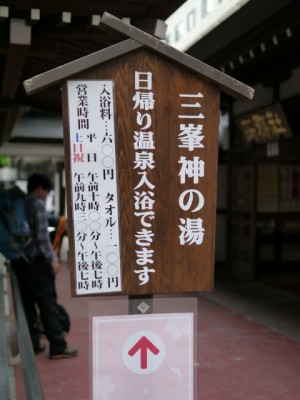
137,39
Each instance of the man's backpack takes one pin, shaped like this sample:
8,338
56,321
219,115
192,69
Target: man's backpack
15,237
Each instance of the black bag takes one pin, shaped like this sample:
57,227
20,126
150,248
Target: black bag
15,236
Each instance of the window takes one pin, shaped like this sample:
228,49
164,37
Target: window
191,20
207,7
179,31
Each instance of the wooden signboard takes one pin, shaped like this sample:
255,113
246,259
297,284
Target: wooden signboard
141,142
157,142
265,125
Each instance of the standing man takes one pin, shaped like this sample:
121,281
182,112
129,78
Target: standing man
37,278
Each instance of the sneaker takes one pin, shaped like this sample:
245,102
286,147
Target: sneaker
39,348
66,353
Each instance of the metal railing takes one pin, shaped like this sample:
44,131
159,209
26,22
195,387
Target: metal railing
31,379
5,354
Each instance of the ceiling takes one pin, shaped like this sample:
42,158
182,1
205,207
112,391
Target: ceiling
259,43
38,36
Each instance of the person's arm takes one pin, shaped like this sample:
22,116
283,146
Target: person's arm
43,239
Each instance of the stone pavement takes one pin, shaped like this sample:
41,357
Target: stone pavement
248,345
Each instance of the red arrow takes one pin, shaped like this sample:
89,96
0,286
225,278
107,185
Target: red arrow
143,344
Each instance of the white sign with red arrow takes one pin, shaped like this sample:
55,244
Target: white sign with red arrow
143,352
143,357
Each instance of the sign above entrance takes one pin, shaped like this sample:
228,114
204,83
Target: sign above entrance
265,125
